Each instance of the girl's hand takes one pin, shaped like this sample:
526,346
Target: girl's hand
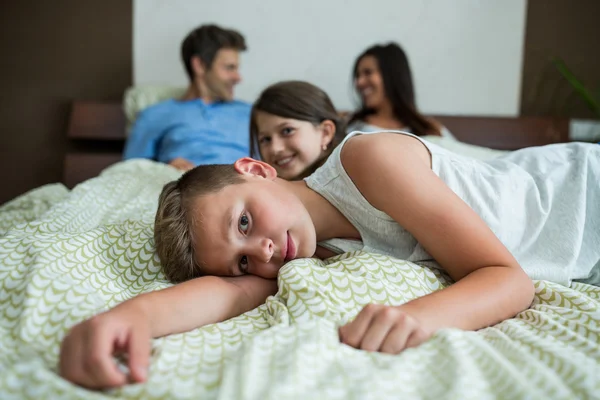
393,173
387,329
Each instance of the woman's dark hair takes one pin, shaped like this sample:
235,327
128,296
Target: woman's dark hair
398,86
205,41
297,100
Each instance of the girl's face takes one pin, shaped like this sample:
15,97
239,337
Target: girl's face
292,146
369,83
253,227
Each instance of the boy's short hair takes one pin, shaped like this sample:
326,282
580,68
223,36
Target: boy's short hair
175,218
205,41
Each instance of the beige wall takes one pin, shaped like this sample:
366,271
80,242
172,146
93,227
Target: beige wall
460,51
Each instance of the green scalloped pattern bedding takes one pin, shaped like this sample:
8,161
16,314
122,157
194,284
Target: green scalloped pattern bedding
66,255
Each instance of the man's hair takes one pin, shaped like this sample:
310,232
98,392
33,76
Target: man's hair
205,41
176,218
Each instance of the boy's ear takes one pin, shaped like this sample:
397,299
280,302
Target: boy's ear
198,66
328,132
251,167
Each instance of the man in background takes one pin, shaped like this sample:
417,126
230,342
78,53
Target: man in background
206,125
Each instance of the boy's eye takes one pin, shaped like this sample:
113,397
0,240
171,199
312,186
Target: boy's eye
243,264
244,223
287,131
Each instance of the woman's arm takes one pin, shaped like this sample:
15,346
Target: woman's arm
491,286
86,356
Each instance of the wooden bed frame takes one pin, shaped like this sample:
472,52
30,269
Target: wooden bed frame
504,133
97,135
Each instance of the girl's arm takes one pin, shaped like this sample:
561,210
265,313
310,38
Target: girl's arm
490,287
86,356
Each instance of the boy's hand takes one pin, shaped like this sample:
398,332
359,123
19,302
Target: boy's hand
87,352
383,328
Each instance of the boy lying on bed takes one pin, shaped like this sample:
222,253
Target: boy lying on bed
224,231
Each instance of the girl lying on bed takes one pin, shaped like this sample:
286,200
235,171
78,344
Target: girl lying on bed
224,231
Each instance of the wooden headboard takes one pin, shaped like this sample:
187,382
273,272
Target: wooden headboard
505,133
97,135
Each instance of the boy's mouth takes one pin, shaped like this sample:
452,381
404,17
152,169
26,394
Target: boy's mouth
290,249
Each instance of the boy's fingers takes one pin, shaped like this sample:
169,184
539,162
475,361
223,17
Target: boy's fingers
70,361
139,354
98,360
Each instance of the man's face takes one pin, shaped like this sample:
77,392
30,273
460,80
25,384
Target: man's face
223,75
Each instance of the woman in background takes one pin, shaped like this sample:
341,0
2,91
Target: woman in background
383,81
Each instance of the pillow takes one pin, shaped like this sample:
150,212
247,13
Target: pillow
137,98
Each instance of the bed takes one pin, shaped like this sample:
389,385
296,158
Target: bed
66,255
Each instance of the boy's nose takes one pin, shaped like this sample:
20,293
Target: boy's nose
265,249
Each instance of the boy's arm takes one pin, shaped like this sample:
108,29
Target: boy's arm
86,356
203,301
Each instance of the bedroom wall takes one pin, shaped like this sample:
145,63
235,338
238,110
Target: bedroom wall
466,55
54,52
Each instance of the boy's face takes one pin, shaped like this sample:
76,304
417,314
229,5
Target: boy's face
252,228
